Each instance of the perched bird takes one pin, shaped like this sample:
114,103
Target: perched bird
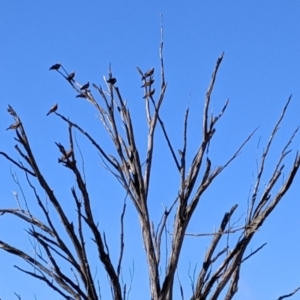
14,126
82,95
71,76
66,156
147,83
52,109
55,67
148,73
85,86
111,81
11,110
149,94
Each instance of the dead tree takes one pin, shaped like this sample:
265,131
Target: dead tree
134,176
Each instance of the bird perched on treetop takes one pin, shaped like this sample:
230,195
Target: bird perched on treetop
71,76
149,94
85,86
11,111
148,73
82,95
55,67
52,109
147,83
111,81
67,155
14,126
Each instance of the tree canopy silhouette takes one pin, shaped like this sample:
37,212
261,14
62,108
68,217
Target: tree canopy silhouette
219,273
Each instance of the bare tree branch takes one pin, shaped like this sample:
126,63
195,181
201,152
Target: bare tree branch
290,294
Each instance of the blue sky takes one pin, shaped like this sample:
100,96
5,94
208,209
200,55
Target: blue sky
261,68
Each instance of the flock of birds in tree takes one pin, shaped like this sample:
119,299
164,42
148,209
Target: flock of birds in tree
147,77
83,89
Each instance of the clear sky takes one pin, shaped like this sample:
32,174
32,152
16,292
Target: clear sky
261,68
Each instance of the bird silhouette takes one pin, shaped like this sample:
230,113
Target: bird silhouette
65,156
11,111
55,67
85,86
148,73
147,83
71,76
149,94
111,81
82,95
52,109
14,126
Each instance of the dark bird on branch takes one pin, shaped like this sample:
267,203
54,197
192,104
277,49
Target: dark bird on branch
111,81
11,111
71,76
52,109
14,126
85,86
82,95
66,156
147,83
55,67
149,94
148,73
